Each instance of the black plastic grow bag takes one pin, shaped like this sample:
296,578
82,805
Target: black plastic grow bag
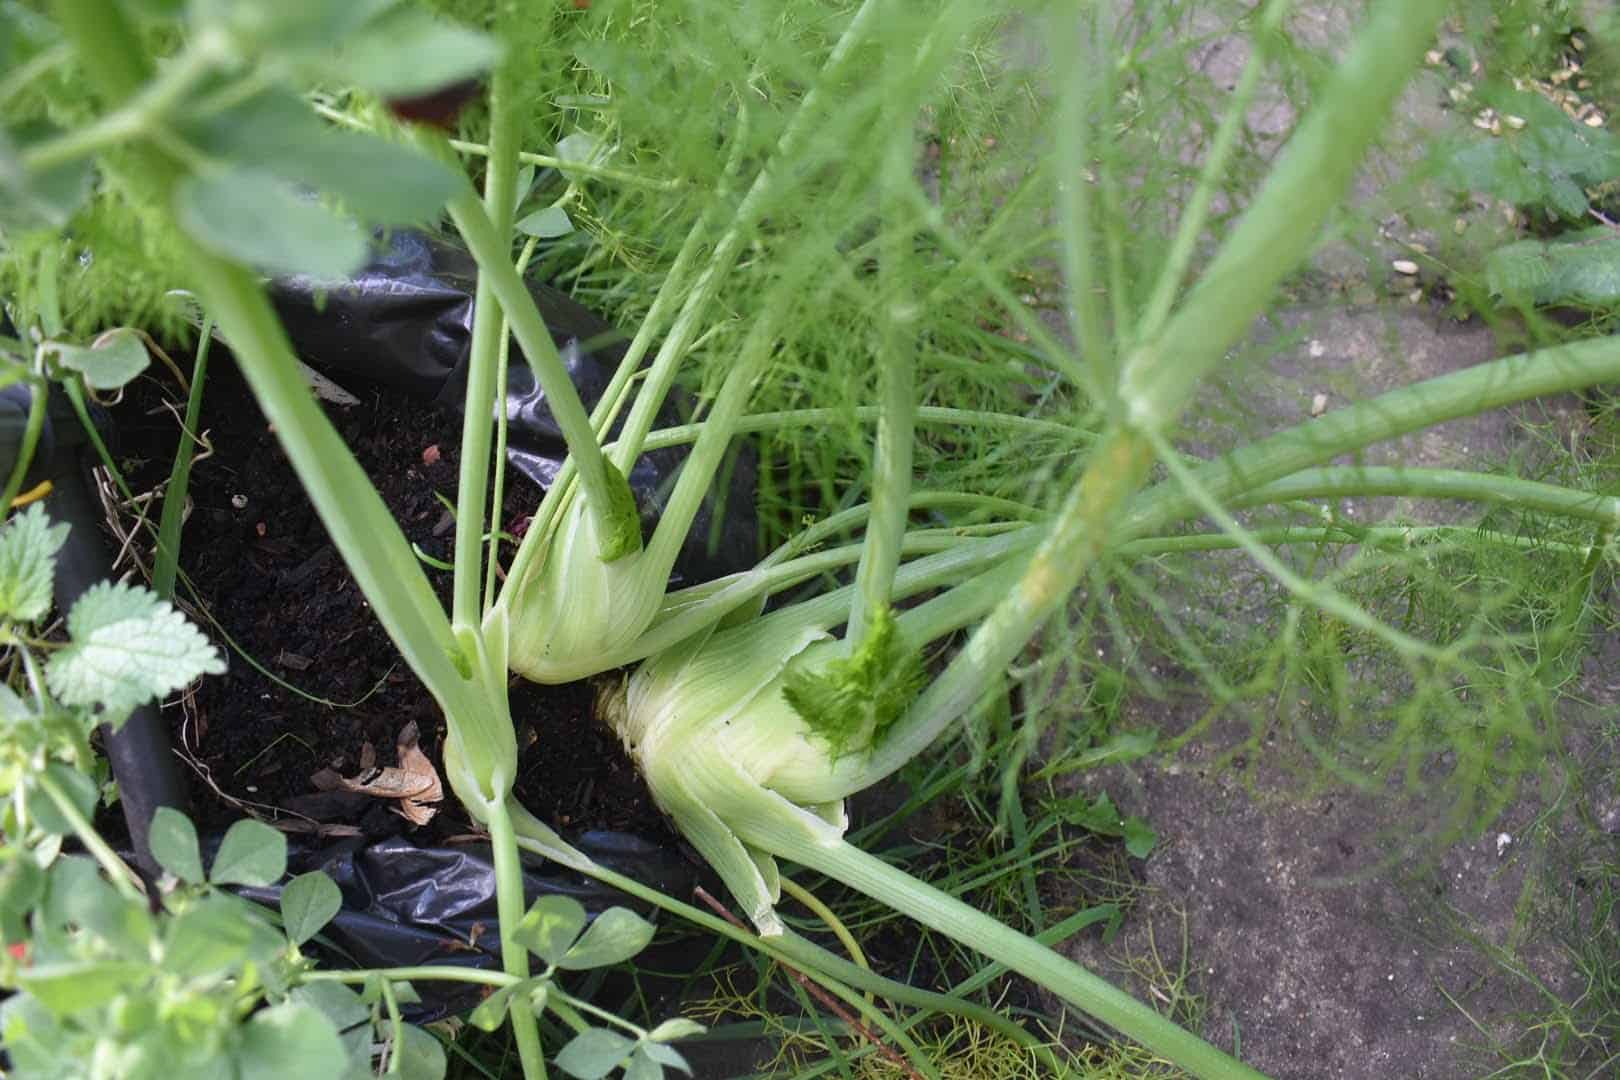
405,320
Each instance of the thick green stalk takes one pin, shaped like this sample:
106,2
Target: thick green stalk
1280,227
606,492
1196,213
489,331
923,414
892,447
30,442
1367,481
1478,389
1404,536
1077,536
1305,186
509,904
721,259
714,438
1074,199
118,872
498,492
419,973
166,562
851,866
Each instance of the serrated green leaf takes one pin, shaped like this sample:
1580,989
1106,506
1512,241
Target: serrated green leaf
81,792
77,985
408,52
593,1053
678,1027
254,217
28,547
849,702
290,1040
173,840
613,936
108,365
546,223
308,903
421,1056
252,853
128,647
550,926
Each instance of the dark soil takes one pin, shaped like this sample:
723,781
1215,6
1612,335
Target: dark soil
262,568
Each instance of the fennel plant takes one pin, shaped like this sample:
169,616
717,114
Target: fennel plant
753,728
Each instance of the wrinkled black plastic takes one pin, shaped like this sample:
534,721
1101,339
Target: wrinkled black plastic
405,319
405,905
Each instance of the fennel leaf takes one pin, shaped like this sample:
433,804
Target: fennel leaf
850,702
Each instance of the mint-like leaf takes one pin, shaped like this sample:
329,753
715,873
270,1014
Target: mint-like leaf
128,647
257,218
28,547
308,902
616,934
546,223
109,364
852,701
594,1053
172,839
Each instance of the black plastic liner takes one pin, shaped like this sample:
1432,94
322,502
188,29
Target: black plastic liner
405,319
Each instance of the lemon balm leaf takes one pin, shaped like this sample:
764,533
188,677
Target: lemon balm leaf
255,217
127,647
28,547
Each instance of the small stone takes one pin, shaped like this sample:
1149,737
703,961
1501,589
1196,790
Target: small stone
1502,842
239,502
1319,404
1317,349
1404,266
1459,226
430,455
1577,44
261,528
1514,122
1595,120
1415,296
1433,57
